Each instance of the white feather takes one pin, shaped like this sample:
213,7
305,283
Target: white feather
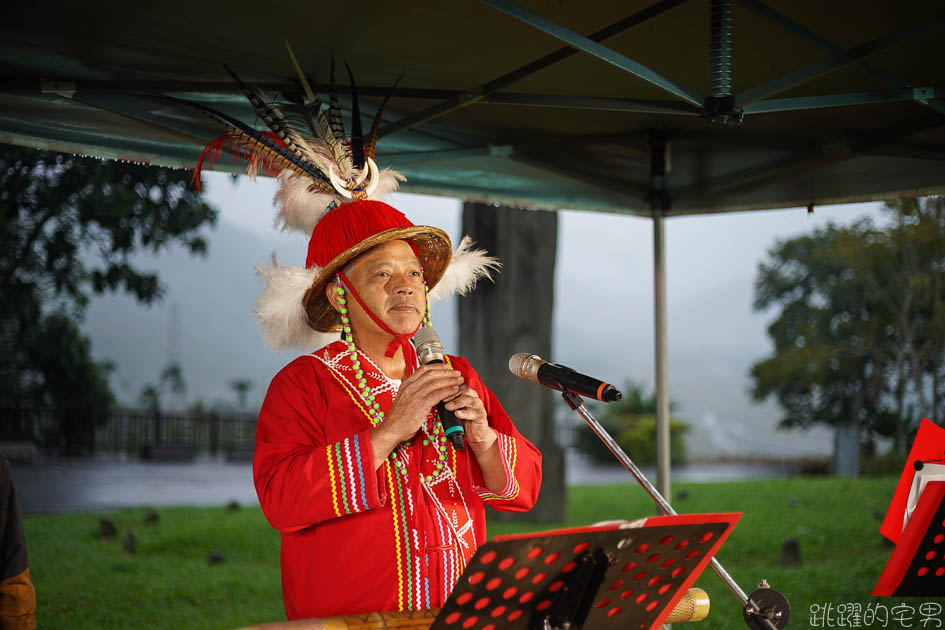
466,267
300,210
279,309
389,182
296,207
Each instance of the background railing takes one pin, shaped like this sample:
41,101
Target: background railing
80,430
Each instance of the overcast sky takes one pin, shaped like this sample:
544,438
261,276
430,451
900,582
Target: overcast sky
603,317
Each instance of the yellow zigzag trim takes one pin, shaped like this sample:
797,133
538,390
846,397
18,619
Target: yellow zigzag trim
331,477
514,453
391,471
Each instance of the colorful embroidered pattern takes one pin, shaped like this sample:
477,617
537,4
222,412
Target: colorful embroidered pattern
334,357
440,488
509,451
346,476
398,548
408,564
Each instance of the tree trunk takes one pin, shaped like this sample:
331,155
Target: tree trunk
918,382
938,340
514,315
938,414
899,437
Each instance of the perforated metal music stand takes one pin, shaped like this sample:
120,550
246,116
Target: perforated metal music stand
606,578
917,564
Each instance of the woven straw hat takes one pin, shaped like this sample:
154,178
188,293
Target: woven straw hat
354,228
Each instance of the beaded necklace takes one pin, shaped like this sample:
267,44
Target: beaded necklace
434,434
432,430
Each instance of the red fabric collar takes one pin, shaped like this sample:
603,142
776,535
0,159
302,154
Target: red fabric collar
401,341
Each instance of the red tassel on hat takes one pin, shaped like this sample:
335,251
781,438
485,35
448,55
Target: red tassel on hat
349,224
235,144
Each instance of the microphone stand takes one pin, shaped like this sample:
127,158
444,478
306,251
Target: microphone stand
765,608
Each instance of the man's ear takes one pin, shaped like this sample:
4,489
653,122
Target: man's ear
331,293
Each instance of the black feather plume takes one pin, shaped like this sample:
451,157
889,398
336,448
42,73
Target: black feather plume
334,111
357,137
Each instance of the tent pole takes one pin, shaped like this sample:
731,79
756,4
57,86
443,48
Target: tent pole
659,203
662,393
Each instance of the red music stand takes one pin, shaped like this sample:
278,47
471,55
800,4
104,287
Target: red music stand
606,578
917,564
929,444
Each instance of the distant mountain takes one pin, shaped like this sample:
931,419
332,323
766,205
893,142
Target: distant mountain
215,336
217,339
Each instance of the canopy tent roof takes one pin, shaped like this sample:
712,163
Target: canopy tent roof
842,101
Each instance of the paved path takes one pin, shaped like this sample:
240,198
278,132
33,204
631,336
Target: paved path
580,471
99,485
91,485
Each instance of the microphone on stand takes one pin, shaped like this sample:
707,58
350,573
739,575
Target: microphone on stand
531,367
429,351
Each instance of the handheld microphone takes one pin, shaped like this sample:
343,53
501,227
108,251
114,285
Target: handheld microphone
430,350
531,367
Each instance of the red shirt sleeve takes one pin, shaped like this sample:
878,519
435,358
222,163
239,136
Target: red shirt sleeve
521,459
304,473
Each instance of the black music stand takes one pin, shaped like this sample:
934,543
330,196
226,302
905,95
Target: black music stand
606,578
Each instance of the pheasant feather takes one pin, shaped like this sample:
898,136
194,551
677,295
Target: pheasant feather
357,136
265,145
317,121
371,143
274,119
309,93
334,110
323,130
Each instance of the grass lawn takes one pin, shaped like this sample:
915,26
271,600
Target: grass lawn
82,582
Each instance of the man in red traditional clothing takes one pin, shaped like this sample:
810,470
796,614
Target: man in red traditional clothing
378,511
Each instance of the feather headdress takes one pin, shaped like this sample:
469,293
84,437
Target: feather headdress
328,187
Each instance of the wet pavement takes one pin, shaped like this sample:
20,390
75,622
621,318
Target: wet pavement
92,485
581,471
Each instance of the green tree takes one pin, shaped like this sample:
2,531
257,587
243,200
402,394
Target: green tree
631,421
68,228
241,386
171,380
916,290
858,335
820,371
150,399
902,268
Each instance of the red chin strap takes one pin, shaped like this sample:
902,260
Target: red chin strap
401,341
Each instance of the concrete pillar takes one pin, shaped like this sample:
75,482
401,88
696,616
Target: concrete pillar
846,450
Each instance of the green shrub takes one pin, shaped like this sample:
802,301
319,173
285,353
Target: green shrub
885,465
636,435
632,423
